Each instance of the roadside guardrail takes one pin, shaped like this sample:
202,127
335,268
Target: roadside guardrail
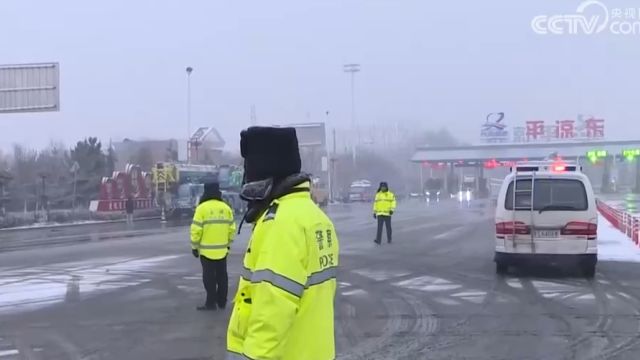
624,221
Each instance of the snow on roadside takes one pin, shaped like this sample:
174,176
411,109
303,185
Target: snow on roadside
55,224
614,245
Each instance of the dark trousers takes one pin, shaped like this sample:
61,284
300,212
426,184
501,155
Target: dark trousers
386,221
216,281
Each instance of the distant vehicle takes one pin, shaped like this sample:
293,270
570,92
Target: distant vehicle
189,196
466,192
463,195
236,203
433,188
176,185
361,191
319,192
186,199
185,186
432,195
546,213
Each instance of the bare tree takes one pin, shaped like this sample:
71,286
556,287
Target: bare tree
5,161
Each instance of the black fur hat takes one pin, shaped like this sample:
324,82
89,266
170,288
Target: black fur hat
211,187
269,152
211,191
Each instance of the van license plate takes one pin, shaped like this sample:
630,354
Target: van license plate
547,234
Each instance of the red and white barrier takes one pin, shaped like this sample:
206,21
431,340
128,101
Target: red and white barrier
627,223
118,205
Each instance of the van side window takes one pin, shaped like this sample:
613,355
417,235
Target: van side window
561,194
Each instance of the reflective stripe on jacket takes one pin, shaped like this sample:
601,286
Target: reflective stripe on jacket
212,229
384,203
284,305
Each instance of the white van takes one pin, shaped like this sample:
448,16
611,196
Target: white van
546,214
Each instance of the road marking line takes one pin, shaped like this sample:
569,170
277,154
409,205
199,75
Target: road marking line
469,293
380,275
448,233
428,283
354,292
4,353
516,283
446,301
192,277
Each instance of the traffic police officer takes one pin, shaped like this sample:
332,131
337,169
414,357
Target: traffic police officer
383,207
284,305
212,232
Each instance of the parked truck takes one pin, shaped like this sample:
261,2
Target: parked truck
180,186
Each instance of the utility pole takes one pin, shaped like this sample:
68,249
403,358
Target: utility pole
189,71
74,169
44,206
422,192
353,69
332,167
253,116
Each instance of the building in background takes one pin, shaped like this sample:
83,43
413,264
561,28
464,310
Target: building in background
144,152
206,150
205,146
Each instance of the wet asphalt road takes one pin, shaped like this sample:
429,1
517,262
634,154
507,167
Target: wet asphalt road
432,294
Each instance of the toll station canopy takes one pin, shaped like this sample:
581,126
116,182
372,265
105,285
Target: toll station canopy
516,152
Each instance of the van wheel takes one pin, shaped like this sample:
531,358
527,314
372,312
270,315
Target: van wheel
501,268
589,271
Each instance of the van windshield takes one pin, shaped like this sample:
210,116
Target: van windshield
548,194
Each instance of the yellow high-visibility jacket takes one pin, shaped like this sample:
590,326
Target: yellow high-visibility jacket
384,203
213,229
284,305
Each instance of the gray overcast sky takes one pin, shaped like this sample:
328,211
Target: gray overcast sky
445,63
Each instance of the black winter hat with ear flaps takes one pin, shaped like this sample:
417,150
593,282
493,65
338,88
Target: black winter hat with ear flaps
269,152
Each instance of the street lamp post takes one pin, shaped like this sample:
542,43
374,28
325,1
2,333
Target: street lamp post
353,69
74,170
189,71
44,206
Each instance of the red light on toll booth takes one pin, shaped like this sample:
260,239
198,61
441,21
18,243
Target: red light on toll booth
491,164
559,168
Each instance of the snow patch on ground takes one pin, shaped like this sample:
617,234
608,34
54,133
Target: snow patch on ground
614,245
33,288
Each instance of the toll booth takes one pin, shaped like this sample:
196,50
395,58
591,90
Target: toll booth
602,160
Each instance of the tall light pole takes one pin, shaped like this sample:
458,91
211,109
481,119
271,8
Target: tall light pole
353,69
189,71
